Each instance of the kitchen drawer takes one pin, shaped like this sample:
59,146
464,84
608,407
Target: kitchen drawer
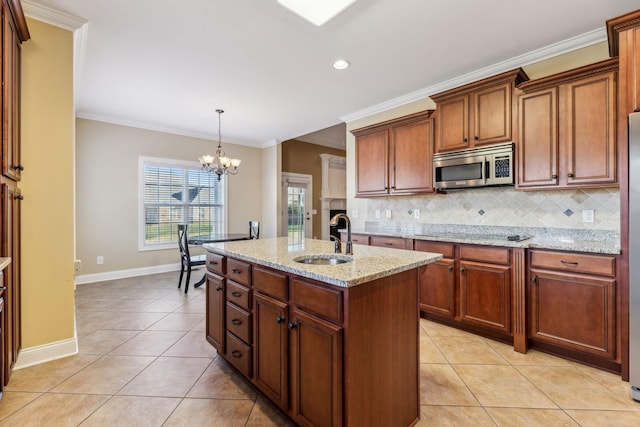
239,322
444,248
215,263
391,242
568,261
239,355
356,239
317,299
239,271
487,254
238,294
270,283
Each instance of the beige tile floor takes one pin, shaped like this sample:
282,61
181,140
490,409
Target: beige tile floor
144,362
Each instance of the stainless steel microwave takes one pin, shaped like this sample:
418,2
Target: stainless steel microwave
475,167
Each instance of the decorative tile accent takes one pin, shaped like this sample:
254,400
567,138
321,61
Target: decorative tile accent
481,212
502,207
568,212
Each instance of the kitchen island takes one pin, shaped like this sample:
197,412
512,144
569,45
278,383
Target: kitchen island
331,345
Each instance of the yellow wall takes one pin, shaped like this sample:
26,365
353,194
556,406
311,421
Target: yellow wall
302,157
47,186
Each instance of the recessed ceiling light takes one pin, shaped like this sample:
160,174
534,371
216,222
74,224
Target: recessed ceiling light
317,12
341,64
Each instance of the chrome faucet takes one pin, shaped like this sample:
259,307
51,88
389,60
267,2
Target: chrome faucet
337,244
334,222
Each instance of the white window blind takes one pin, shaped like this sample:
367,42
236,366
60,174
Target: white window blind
173,193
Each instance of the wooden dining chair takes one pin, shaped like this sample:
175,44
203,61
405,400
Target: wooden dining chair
187,260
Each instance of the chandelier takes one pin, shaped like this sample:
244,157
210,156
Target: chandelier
219,163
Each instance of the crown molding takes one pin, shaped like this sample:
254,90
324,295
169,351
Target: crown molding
52,16
555,49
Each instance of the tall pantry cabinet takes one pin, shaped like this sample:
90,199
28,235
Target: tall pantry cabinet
14,33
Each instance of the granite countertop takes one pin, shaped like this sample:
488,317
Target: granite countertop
4,262
369,262
593,241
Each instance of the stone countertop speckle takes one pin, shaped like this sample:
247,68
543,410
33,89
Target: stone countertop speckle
593,241
369,262
4,262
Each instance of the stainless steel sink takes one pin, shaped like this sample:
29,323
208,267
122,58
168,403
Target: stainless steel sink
329,259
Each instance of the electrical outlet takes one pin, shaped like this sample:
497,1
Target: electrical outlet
588,215
354,213
416,213
388,213
377,214
77,267
100,260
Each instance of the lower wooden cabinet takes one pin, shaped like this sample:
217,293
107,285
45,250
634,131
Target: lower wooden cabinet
572,302
304,356
438,280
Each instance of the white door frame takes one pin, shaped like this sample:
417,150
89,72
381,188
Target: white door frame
307,181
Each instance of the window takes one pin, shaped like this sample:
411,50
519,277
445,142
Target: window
174,192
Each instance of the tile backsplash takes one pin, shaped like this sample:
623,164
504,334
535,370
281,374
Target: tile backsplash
497,206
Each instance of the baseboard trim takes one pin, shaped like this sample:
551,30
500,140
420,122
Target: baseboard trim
123,274
46,353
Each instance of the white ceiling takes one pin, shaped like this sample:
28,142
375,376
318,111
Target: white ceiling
167,65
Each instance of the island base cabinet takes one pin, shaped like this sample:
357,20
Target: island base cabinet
216,316
316,370
271,344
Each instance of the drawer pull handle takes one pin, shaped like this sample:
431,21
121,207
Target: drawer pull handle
279,319
236,354
236,294
569,262
388,243
292,326
235,270
236,322
218,288
213,262
3,288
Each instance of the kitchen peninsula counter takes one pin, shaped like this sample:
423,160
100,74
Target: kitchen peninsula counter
368,262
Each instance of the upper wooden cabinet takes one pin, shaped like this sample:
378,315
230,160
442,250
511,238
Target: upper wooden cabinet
623,34
567,129
394,157
476,114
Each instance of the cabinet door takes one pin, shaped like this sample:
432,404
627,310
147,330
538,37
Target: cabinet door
452,124
485,295
491,118
437,288
11,201
10,98
271,345
372,163
589,130
411,158
216,315
316,370
573,311
538,139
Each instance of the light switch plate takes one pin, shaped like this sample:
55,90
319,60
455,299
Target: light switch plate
588,215
354,213
416,213
377,214
388,213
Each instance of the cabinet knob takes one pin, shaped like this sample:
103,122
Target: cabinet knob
236,322
279,319
236,271
218,288
464,140
236,354
534,279
19,197
462,269
570,175
450,268
554,176
292,326
19,168
476,137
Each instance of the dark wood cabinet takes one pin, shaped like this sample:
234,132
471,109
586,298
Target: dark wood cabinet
572,303
395,157
391,242
316,370
477,113
215,327
359,239
567,129
319,368
14,32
